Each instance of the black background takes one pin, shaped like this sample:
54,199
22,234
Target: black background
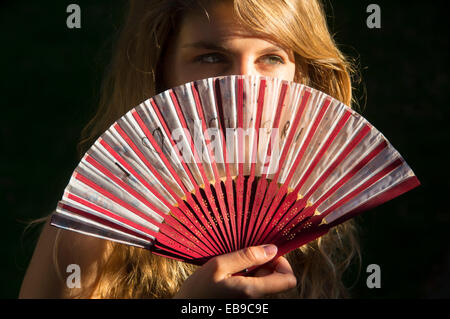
50,79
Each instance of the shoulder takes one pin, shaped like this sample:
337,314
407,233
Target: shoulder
56,255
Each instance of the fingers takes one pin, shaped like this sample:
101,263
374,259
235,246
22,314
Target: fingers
280,265
216,278
277,276
228,264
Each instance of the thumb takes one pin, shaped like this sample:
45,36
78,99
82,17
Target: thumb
239,260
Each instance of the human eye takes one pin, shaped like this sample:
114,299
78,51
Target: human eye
272,59
210,58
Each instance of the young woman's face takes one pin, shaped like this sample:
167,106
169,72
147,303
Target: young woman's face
205,48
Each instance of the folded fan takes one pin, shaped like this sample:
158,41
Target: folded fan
224,163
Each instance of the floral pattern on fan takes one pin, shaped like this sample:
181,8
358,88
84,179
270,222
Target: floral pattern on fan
224,163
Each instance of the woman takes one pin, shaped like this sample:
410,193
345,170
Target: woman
169,42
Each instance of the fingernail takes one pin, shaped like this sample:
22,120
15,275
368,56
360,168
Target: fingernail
270,250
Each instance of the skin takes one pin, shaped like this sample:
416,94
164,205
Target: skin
44,279
219,46
216,278
202,48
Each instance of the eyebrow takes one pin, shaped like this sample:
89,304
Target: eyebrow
204,45
214,46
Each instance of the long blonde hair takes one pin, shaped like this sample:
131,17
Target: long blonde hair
133,76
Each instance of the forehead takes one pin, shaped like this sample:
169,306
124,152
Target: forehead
216,23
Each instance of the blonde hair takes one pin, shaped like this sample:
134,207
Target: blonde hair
133,76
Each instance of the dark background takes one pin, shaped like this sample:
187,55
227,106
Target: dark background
49,84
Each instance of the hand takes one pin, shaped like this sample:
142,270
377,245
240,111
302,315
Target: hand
215,278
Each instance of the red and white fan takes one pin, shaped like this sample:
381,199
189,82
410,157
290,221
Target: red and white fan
224,163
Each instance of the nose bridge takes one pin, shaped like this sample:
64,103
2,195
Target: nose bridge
244,65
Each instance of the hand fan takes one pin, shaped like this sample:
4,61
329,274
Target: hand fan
224,163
